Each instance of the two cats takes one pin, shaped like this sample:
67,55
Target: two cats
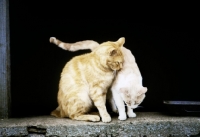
126,87
85,80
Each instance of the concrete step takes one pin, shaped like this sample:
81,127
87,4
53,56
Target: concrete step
146,124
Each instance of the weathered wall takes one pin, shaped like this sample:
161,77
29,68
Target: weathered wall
4,60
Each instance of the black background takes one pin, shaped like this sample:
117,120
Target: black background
167,52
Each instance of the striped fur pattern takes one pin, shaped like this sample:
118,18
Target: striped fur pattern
85,80
127,86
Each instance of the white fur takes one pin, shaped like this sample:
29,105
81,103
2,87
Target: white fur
128,78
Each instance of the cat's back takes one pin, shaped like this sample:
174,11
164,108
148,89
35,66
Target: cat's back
77,63
130,72
86,68
128,56
130,65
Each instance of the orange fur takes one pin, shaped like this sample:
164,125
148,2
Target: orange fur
127,86
85,80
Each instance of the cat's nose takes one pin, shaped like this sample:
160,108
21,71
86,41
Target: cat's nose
120,65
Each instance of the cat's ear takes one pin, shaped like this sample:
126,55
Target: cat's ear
123,90
113,52
143,90
121,41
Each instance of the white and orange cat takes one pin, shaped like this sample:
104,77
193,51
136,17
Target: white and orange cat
127,86
85,80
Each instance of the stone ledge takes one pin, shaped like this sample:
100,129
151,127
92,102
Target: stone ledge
146,124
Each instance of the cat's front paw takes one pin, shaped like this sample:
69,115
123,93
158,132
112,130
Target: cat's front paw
131,114
122,117
106,118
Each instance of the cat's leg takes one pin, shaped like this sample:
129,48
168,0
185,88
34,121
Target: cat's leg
99,98
130,112
76,107
78,111
102,110
113,106
120,105
84,117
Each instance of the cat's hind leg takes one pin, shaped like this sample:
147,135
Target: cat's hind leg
84,117
111,102
78,109
113,106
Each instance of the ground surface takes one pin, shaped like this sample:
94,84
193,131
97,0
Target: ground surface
146,124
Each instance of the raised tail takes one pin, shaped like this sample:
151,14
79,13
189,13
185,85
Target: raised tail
81,45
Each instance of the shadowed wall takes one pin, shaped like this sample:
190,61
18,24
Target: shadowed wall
167,54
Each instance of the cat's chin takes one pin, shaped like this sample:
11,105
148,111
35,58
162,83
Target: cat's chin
134,106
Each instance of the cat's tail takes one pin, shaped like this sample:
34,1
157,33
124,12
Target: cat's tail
81,45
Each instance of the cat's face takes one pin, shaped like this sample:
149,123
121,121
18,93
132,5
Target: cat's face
115,60
133,98
111,55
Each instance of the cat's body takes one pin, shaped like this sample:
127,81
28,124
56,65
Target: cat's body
127,86
84,82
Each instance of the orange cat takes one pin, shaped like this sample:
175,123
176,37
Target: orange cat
85,80
127,86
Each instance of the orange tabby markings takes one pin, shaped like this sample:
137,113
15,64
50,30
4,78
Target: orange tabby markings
85,80
127,86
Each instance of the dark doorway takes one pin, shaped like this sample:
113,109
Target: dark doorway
167,54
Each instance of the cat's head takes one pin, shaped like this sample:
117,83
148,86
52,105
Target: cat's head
110,54
134,96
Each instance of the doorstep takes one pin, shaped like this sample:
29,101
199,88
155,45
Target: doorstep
146,124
